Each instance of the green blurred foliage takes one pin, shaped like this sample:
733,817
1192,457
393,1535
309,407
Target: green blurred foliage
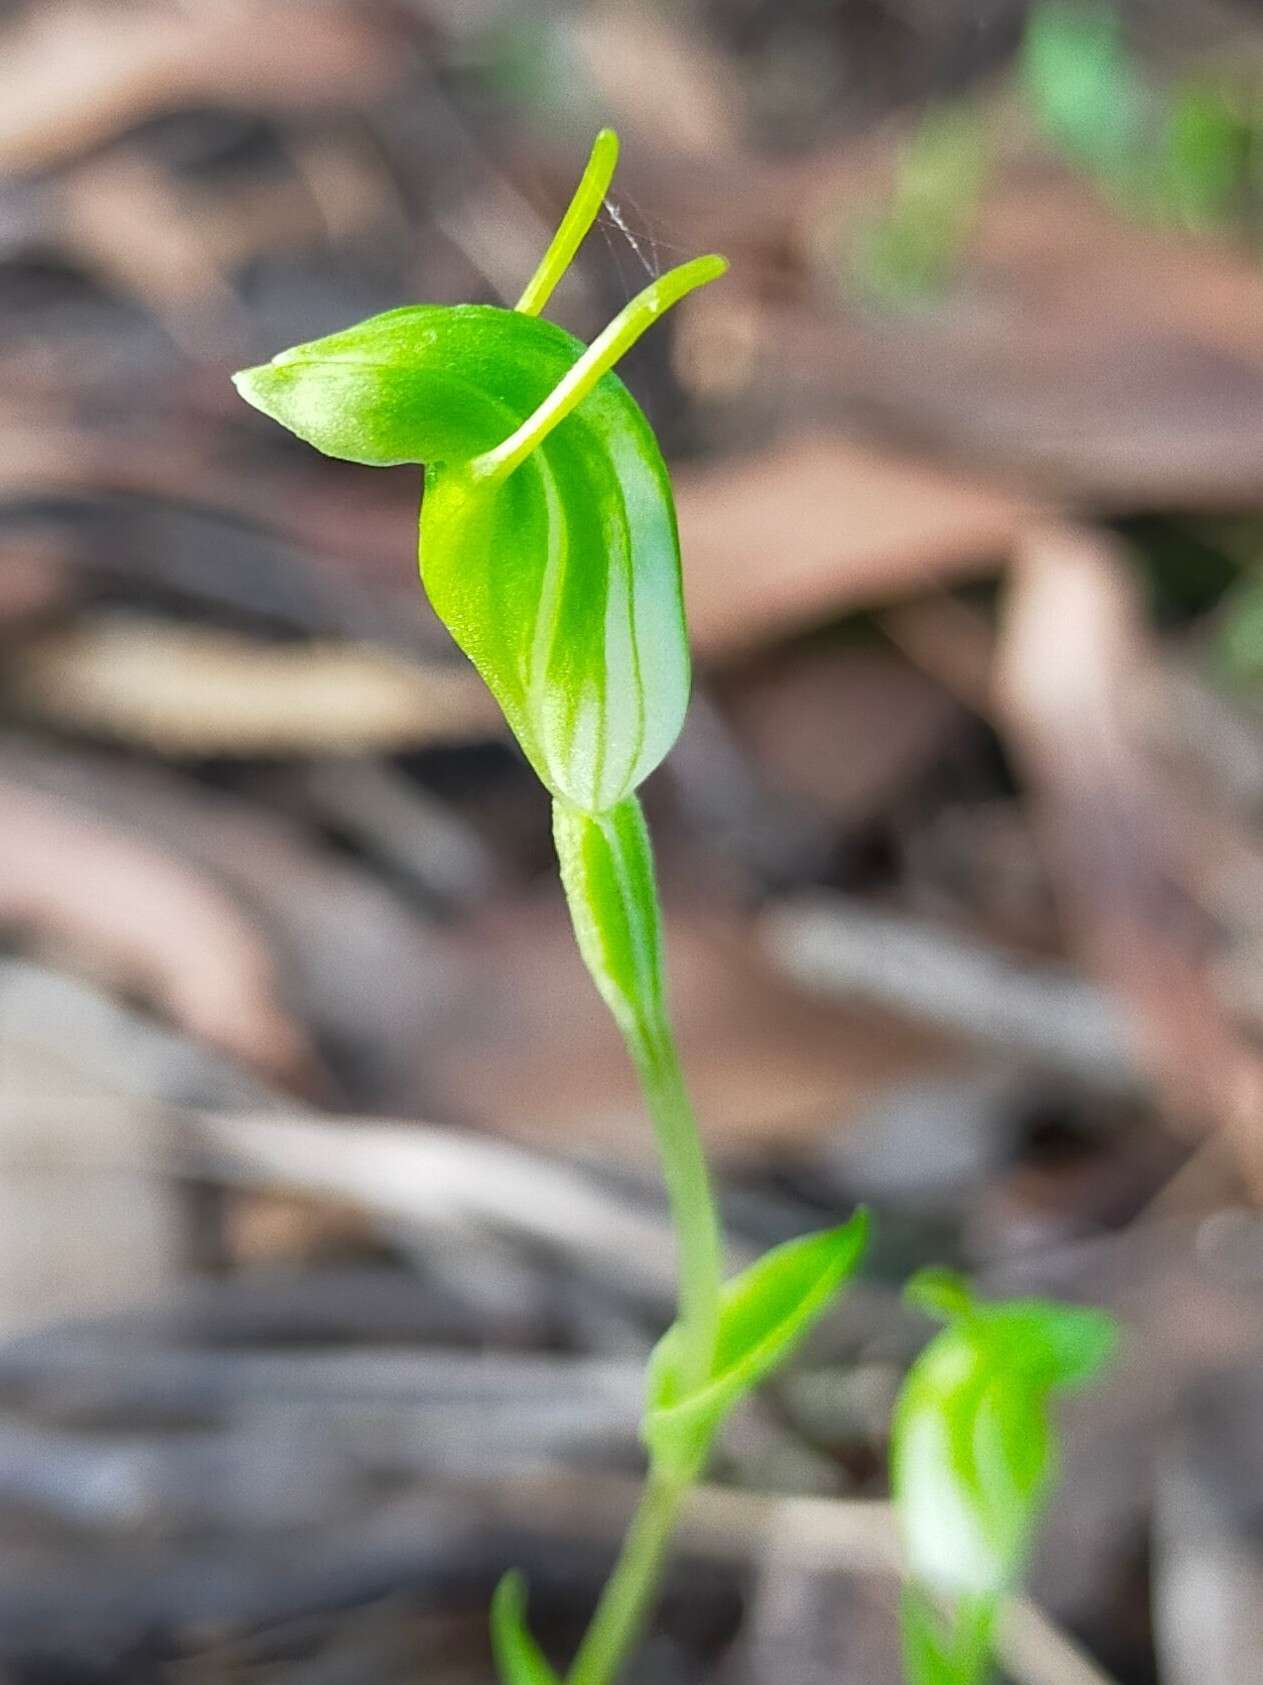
912,252
1188,154
1209,156
974,1458
1081,87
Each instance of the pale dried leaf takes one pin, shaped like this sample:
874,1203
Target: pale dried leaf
89,1219
187,690
660,77
179,244
73,74
361,966
808,531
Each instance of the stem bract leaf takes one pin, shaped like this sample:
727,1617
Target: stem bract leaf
519,1659
764,1313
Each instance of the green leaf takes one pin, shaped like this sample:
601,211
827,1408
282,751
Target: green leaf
926,1656
415,384
561,581
1237,649
940,1293
972,1450
911,252
1208,145
1083,91
1050,1345
765,1312
941,1648
519,1659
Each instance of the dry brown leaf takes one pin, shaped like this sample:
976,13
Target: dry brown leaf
35,579
124,219
1094,354
189,690
1103,356
151,923
179,244
1075,660
357,520
660,78
950,640
811,530
531,1050
131,224
362,968
73,74
847,729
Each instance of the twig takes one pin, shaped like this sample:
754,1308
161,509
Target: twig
848,951
1039,1653
134,1374
414,1175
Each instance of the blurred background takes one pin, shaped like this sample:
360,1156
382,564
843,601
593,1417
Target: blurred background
330,1241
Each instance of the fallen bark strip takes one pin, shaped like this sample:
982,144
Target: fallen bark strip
1045,1013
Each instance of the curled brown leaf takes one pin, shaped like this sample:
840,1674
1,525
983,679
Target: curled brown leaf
151,924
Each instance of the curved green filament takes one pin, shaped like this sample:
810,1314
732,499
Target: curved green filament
600,357
589,196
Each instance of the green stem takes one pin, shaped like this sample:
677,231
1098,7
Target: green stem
687,1178
573,227
630,1589
607,871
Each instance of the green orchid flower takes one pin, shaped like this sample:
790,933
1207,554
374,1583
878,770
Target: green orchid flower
973,1460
